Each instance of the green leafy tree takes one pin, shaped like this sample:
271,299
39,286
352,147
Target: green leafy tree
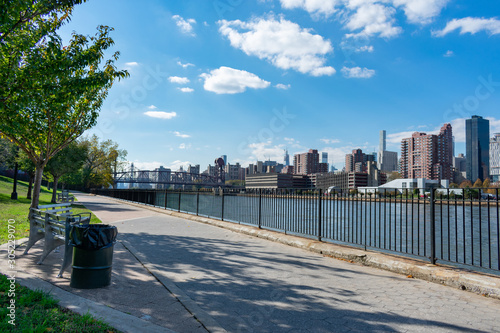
8,153
104,158
66,161
50,93
27,165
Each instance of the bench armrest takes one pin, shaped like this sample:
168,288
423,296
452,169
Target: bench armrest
82,217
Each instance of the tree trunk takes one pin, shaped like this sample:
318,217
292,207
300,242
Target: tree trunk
30,186
37,184
54,191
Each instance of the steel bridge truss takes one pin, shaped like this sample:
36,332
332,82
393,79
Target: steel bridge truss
166,178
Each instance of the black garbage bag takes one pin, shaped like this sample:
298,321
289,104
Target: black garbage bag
92,236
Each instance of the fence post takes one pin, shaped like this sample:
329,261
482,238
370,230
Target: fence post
319,215
197,201
260,208
222,208
179,207
433,228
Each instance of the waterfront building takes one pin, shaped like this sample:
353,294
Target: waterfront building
477,139
357,161
495,158
427,155
275,181
308,163
387,161
351,180
232,171
194,169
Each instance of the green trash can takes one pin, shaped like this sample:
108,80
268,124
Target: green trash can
92,255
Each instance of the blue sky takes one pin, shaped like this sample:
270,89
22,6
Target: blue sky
249,78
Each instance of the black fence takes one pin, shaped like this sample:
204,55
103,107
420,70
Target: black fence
457,226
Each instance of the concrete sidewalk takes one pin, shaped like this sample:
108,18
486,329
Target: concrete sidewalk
186,276
134,302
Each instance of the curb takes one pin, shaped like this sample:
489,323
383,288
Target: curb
476,282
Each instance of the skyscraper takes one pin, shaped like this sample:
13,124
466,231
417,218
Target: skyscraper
495,158
477,146
286,159
387,161
382,140
428,156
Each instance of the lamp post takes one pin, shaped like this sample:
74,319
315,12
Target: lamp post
13,196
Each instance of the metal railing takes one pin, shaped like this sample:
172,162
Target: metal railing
457,226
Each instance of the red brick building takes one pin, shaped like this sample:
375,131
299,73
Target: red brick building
428,156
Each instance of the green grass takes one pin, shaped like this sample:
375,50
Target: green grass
36,311
18,209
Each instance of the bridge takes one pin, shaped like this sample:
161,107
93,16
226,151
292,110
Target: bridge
165,178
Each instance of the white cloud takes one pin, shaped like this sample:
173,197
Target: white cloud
494,125
365,48
358,73
264,151
186,89
316,8
226,80
396,138
176,165
373,19
131,64
179,80
161,114
471,25
329,141
152,107
180,135
140,165
283,86
421,11
448,54
186,65
184,146
186,26
283,43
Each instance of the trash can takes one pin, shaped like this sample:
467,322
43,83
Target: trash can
92,255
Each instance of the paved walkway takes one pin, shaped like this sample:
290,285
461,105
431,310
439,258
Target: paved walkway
234,282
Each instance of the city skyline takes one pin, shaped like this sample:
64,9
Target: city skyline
210,80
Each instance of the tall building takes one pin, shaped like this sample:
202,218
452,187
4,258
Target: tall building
477,142
387,161
224,157
324,157
428,156
308,163
286,159
382,141
357,161
495,158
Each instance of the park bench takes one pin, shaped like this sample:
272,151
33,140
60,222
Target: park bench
52,223
65,197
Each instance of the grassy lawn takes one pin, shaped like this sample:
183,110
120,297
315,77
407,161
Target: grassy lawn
36,311
19,209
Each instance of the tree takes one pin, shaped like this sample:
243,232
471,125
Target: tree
454,185
27,165
478,183
486,183
103,159
50,93
8,152
66,161
465,184
393,175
